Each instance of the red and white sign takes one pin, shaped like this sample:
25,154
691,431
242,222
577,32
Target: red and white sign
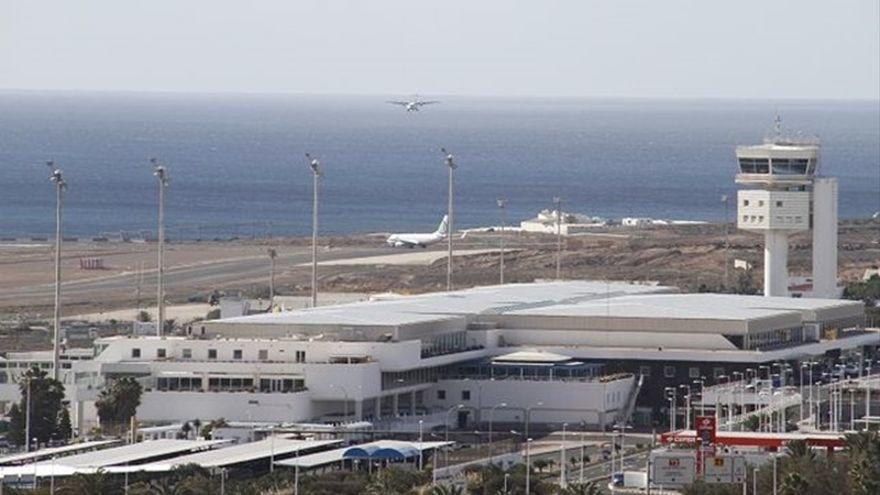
705,426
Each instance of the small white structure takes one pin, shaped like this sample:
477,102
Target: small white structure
569,224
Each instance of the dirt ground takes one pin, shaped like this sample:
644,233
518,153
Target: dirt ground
690,257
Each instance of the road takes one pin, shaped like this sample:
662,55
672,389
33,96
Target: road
209,273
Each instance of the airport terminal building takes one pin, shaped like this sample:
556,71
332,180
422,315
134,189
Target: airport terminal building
554,352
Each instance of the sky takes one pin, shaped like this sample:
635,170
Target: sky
813,49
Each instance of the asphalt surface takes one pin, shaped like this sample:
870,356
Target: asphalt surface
203,274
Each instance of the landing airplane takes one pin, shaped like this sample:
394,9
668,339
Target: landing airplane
412,105
420,240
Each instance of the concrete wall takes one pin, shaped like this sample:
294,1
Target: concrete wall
239,406
563,401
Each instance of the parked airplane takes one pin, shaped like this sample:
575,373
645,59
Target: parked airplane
413,105
420,240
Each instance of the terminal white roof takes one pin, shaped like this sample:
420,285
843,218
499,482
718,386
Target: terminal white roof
691,306
54,451
116,456
335,455
236,454
497,299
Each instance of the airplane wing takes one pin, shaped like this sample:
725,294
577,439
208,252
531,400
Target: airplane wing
401,103
421,103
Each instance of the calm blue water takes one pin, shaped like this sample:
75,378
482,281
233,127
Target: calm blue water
237,163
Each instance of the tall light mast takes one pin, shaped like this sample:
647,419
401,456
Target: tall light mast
161,174
315,165
502,204
451,165
60,186
557,202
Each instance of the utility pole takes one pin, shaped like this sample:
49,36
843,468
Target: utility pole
726,200
272,255
27,417
162,176
450,163
316,174
558,204
60,185
502,203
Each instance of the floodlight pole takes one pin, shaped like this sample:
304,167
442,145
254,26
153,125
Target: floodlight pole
162,176
726,200
502,203
558,202
272,255
60,186
450,163
316,174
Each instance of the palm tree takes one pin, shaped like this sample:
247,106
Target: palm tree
580,489
97,483
799,450
793,484
447,490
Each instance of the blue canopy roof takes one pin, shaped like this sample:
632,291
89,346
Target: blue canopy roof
372,451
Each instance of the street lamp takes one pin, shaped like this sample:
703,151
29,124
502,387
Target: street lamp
702,382
557,202
315,165
502,203
421,450
726,200
272,255
345,403
528,417
60,186
562,481
528,465
671,397
451,165
687,407
491,420
161,174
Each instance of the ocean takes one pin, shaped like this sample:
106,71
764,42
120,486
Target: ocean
237,163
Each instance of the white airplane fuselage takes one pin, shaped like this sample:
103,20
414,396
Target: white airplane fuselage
413,240
422,240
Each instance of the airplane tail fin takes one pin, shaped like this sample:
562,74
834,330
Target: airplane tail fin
443,228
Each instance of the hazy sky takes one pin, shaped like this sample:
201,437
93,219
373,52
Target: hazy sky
649,48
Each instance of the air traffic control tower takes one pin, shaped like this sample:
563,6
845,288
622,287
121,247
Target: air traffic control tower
782,193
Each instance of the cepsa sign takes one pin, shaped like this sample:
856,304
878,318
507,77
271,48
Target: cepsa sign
706,430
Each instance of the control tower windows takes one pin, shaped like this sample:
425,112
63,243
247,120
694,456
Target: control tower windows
794,166
754,165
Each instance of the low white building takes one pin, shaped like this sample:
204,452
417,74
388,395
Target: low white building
556,351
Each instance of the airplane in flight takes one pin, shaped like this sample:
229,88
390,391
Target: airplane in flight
420,240
412,105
